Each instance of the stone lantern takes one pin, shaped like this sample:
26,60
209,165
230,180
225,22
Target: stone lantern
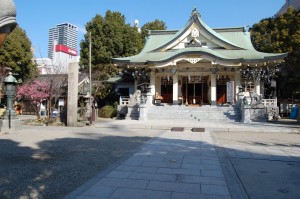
10,120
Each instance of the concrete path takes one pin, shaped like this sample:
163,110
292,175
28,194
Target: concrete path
174,165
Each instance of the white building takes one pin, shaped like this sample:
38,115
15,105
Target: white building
62,57
44,65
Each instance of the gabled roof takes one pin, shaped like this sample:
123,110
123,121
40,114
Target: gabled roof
206,31
226,44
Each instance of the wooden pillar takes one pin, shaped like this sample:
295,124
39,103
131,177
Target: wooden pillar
257,87
213,89
152,83
175,89
237,79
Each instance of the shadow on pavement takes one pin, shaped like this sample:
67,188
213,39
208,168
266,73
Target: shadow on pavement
264,165
59,166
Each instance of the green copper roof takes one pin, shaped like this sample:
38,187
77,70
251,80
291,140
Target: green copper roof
217,54
232,44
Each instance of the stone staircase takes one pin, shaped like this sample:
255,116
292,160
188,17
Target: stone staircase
200,114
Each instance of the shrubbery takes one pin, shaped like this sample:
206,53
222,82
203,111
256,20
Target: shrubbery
108,111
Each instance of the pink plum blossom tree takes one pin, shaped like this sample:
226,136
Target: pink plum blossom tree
35,92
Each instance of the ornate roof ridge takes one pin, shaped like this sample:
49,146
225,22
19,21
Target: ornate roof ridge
230,29
165,32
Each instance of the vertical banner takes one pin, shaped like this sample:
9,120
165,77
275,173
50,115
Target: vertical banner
230,91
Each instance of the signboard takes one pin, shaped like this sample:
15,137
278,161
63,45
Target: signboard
230,91
61,102
66,49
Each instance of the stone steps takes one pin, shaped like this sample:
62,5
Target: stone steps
202,114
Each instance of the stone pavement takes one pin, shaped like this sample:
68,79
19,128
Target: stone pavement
267,164
172,166
281,126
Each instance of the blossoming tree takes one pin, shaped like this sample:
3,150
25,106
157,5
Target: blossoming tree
35,92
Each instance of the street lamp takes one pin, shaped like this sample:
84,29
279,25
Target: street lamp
90,77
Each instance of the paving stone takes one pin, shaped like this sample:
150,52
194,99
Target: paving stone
119,174
202,180
99,191
90,197
162,164
191,161
133,162
124,193
156,177
215,189
137,169
150,159
212,173
200,157
127,183
195,172
197,196
174,186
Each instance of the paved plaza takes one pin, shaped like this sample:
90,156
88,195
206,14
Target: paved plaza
173,165
131,159
199,164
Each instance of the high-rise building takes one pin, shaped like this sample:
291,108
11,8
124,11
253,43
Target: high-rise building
64,34
289,3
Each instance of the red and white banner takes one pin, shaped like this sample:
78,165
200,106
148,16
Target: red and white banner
66,49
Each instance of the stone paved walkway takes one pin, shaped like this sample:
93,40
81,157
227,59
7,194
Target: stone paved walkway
175,165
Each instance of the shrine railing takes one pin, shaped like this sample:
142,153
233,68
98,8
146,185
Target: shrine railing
124,100
269,102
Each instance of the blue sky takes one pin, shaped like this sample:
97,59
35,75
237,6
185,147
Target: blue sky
37,16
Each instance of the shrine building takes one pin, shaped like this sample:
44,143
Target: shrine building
198,65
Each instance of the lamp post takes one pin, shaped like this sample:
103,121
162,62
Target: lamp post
90,76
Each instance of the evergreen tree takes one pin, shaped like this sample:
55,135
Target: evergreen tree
111,37
16,54
278,35
155,25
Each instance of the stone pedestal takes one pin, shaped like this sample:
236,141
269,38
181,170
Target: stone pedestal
149,100
133,112
246,116
143,112
10,124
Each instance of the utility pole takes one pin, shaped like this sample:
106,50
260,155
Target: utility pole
90,76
